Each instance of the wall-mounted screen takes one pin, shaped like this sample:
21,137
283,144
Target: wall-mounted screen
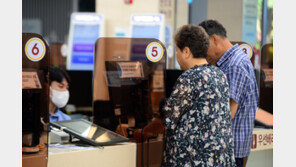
148,26
85,29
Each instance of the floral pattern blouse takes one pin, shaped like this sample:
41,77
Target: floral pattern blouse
197,117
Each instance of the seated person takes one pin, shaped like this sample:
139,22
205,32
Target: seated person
59,94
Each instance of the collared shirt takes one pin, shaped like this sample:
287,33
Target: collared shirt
59,116
197,117
239,70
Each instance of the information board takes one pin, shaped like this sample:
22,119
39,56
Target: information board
148,26
85,29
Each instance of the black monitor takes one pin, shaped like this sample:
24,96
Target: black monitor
89,132
80,89
171,77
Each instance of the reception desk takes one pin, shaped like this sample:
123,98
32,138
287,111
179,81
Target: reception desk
119,155
261,148
129,154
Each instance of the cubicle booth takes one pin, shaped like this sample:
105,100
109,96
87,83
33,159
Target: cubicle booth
128,85
35,100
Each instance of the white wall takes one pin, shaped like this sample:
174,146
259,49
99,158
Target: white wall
182,13
229,14
118,14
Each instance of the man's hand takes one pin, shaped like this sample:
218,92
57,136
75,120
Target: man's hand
155,127
122,129
233,107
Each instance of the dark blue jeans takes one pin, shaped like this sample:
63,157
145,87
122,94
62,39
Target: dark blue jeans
239,162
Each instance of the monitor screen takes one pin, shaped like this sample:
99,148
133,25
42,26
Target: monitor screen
170,80
146,31
89,132
80,88
83,44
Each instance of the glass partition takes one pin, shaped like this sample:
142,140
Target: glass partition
128,81
35,99
266,78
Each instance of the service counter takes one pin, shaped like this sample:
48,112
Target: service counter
38,159
119,155
261,148
130,154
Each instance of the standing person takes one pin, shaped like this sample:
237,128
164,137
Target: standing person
197,114
59,94
242,84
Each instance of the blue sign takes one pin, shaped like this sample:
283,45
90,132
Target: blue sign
249,27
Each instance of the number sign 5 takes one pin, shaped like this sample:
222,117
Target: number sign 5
154,52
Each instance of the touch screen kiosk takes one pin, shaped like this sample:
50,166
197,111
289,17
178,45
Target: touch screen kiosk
148,26
35,99
85,29
127,73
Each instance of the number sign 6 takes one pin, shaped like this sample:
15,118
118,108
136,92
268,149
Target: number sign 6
35,49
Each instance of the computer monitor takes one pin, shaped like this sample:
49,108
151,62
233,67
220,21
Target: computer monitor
171,77
81,90
85,29
89,132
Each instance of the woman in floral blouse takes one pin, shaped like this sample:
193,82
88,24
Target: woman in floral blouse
197,114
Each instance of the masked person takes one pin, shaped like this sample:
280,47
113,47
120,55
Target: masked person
59,94
197,113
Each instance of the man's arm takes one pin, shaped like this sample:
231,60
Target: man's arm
233,107
237,80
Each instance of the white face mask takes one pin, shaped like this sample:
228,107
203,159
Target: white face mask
60,99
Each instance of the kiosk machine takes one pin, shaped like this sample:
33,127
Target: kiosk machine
85,29
148,26
35,99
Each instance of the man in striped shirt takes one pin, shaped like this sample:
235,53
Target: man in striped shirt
242,85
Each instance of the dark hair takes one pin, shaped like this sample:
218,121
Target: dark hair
57,74
214,27
195,38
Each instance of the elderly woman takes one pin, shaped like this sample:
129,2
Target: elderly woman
197,114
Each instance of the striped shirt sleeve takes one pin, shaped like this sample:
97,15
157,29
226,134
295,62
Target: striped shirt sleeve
238,81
